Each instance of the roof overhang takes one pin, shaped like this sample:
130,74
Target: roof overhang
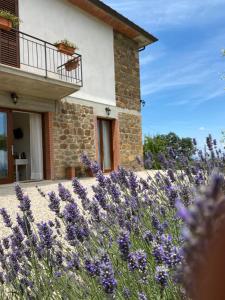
120,23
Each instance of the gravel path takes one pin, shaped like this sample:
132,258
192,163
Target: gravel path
39,204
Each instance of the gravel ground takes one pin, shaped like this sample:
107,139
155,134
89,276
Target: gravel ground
39,204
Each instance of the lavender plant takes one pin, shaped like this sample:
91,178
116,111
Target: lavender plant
122,243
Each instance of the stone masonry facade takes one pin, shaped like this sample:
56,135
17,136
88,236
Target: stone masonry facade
127,74
73,134
127,77
74,129
130,140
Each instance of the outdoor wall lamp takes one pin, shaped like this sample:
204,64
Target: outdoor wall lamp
143,102
108,111
14,98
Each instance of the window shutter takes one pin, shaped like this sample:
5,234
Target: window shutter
9,40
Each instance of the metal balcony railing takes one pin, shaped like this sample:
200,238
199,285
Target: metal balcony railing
21,50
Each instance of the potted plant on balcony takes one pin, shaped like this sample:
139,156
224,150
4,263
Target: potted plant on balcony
66,47
72,64
8,20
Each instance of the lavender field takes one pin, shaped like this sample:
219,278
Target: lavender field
133,239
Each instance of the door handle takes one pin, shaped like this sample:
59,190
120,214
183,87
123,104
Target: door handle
12,150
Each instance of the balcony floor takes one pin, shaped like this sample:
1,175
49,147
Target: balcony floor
31,84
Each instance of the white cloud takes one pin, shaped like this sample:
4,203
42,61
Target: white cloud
202,128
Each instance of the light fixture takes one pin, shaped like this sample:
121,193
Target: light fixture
108,111
142,102
14,98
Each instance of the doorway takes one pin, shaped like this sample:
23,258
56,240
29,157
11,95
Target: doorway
21,146
105,144
27,146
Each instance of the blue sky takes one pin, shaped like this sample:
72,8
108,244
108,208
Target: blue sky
181,73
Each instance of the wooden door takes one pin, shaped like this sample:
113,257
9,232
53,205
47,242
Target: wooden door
105,145
9,40
6,158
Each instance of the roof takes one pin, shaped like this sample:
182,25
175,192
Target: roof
120,23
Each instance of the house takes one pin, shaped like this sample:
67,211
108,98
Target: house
50,112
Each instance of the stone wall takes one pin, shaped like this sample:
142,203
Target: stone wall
130,140
127,73
73,133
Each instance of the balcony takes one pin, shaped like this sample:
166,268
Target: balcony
33,67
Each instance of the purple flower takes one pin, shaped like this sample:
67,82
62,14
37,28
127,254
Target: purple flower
6,217
17,238
81,192
183,212
50,223
161,275
171,175
122,175
173,257
26,282
148,236
24,224
95,210
107,278
23,199
158,253
209,142
54,204
85,160
133,183
59,258
19,192
64,193
45,234
124,245
137,261
101,198
93,166
126,293
13,263
71,213
92,267
155,222
172,195
73,263
5,242
71,232
115,192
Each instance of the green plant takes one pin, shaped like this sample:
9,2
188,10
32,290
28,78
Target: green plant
66,43
160,143
9,16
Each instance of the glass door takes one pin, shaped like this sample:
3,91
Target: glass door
6,166
105,154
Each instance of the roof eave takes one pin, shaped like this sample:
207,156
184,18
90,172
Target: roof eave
120,23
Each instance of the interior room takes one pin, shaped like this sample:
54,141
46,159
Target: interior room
27,146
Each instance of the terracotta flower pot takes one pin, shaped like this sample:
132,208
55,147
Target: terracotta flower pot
65,49
5,24
72,64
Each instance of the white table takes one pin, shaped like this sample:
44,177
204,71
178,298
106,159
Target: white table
21,162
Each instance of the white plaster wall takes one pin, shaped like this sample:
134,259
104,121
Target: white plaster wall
53,20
